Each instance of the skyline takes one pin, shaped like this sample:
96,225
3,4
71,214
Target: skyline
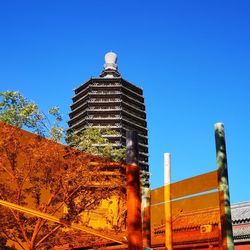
192,60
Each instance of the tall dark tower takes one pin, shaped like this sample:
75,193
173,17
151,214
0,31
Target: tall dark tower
110,101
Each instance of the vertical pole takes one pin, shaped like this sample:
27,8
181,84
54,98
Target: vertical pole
225,209
131,148
167,201
145,208
133,193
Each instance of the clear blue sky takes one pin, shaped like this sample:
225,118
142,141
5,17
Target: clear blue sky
192,59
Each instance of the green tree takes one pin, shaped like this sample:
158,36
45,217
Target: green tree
47,165
93,141
17,111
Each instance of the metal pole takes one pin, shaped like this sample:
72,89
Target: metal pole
133,193
167,201
225,209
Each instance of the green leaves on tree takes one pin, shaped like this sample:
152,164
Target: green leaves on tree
17,111
94,141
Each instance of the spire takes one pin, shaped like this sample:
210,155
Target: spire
110,66
110,61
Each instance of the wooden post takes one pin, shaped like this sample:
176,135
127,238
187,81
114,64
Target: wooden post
225,209
167,201
133,193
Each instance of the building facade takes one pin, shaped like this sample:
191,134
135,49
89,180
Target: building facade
241,225
109,101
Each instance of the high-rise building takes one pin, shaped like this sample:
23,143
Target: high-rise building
110,101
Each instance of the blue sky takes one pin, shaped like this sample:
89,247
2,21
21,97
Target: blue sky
192,58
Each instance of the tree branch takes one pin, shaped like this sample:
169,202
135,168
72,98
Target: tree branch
16,216
47,235
13,239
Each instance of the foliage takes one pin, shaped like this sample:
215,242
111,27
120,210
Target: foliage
144,177
93,141
31,166
46,176
16,110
